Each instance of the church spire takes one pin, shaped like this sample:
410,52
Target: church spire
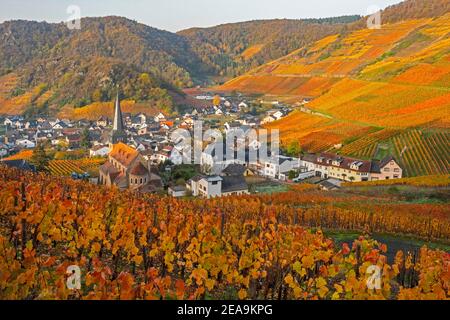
118,119
118,133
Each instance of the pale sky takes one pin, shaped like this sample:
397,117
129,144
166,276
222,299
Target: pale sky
174,15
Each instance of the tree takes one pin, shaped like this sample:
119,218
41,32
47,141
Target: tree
292,174
294,149
40,159
85,140
216,100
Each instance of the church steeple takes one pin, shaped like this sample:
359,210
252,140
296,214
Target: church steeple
118,133
118,119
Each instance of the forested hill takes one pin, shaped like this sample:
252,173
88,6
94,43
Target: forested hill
232,49
49,65
46,67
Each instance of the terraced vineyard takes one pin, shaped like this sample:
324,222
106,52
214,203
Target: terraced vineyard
67,167
426,153
421,152
366,147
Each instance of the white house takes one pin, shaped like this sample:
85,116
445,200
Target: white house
177,191
216,186
268,119
160,117
25,143
278,167
8,122
99,151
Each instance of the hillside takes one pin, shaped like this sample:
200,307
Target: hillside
396,78
46,66
235,48
47,69
231,49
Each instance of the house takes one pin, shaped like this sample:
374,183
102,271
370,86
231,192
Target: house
192,185
142,118
243,105
177,191
8,122
268,119
99,150
3,151
25,143
386,169
59,125
329,185
160,117
73,140
328,165
237,170
19,164
216,186
278,167
103,121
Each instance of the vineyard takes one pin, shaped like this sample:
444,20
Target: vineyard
67,167
421,152
425,153
132,246
366,146
424,181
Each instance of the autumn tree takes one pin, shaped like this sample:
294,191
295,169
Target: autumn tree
40,159
216,100
85,139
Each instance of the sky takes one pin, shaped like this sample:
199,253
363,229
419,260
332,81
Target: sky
174,15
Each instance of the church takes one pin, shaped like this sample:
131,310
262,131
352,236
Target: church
126,168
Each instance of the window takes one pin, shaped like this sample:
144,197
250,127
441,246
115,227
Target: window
214,183
141,181
395,176
396,170
386,170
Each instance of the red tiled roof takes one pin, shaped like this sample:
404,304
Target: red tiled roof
123,154
345,162
139,170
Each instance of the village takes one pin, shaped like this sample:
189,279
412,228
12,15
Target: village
140,152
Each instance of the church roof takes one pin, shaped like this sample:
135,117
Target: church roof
139,170
123,154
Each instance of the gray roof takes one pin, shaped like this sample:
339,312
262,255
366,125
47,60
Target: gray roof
19,164
233,183
234,170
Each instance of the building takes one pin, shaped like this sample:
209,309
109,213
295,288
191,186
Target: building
278,167
386,169
126,168
177,191
327,165
99,150
216,186
118,133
